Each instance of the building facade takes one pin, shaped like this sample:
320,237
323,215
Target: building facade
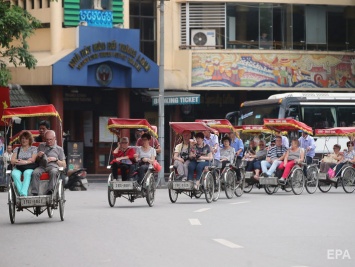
97,59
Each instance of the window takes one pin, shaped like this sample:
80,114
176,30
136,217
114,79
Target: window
288,26
319,117
256,115
346,116
142,14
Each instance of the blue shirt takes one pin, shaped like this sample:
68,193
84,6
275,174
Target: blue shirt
308,142
212,141
237,143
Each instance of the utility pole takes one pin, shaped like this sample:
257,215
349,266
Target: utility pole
161,127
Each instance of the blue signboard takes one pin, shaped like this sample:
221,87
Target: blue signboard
107,57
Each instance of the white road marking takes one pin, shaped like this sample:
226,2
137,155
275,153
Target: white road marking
227,243
194,222
202,210
242,202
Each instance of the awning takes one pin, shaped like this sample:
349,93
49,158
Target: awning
20,97
174,98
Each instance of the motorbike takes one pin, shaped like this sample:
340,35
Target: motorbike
76,180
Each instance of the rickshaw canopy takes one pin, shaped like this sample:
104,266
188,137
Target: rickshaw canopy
221,125
180,127
280,125
337,131
29,111
253,129
15,138
114,125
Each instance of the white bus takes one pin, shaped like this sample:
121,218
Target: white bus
318,110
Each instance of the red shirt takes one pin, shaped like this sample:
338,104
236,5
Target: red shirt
129,152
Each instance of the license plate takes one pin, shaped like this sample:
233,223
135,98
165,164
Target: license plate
248,175
182,185
33,201
322,176
122,185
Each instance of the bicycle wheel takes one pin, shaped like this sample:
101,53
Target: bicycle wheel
12,203
348,179
311,182
324,186
150,190
173,195
270,189
217,188
248,185
239,187
50,211
229,183
111,197
297,181
208,187
61,199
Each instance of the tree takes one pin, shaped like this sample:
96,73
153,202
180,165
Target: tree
16,25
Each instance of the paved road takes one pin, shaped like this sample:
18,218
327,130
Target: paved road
255,230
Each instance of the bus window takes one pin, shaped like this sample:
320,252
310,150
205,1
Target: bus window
346,116
319,117
293,112
256,115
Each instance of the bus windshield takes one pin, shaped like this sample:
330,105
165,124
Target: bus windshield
255,115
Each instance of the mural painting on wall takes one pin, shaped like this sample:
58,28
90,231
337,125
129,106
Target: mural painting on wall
273,70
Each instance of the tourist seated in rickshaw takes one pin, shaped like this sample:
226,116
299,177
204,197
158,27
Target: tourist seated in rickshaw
123,158
309,145
332,159
181,156
348,157
50,157
145,156
294,155
254,159
200,157
227,152
153,142
212,140
274,157
23,159
42,128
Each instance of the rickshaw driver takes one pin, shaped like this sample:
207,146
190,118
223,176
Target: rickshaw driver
212,140
274,158
153,142
51,157
43,127
308,144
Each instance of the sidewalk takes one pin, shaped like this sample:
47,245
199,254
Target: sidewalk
102,178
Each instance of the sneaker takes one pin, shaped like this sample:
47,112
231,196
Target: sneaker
282,180
184,179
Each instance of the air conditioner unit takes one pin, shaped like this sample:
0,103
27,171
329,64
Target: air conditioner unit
203,38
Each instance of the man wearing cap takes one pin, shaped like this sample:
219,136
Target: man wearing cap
123,157
308,144
212,141
153,142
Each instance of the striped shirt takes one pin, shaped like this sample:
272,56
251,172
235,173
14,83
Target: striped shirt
276,152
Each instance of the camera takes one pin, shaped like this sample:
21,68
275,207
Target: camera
185,156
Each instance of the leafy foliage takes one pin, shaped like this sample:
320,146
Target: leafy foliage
16,25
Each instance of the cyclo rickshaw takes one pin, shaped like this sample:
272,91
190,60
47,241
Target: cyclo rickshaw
188,188
34,204
245,131
226,178
296,178
131,190
346,175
